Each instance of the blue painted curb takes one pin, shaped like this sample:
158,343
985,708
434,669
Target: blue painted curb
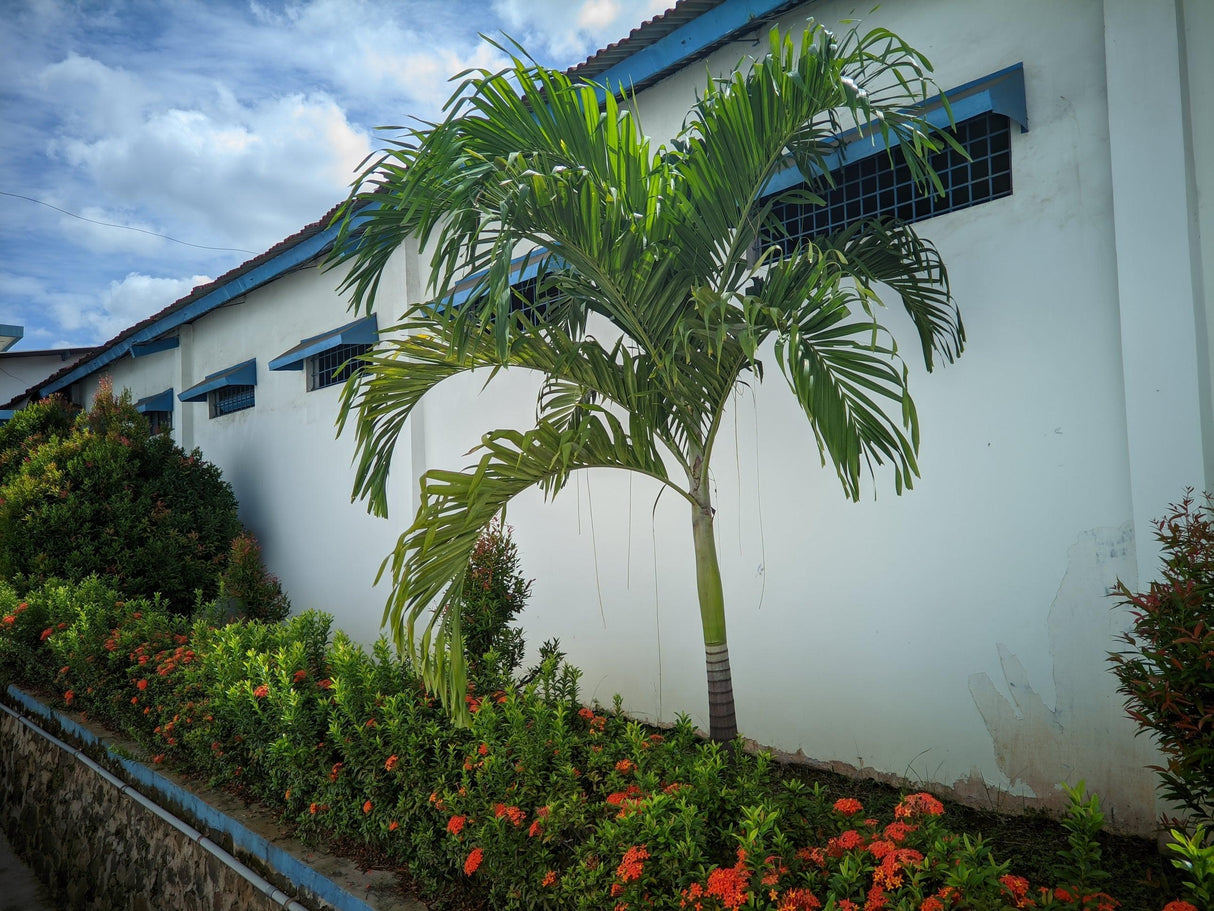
245,840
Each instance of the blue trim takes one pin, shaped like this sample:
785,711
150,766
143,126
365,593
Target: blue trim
243,374
14,334
1001,92
688,41
363,331
284,262
518,273
143,349
207,817
5,416
161,401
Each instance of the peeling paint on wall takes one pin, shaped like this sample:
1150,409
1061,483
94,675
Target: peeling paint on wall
1085,735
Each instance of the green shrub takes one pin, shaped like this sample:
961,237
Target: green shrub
29,428
245,578
109,499
540,803
494,593
1166,673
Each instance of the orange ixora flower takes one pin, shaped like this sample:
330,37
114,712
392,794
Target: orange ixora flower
921,804
393,826
262,691
729,885
456,824
390,763
848,806
549,878
1179,906
625,766
633,864
473,861
798,900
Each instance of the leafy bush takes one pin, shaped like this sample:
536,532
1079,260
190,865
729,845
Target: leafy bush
245,578
110,499
29,428
494,593
1166,674
541,803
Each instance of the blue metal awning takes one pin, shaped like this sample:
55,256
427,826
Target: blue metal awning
5,416
161,401
143,349
364,331
1001,92
244,374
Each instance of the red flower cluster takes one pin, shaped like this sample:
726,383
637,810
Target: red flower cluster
798,900
536,828
1018,888
391,762
730,884
633,864
514,814
262,691
921,804
473,861
626,799
625,766
456,824
848,806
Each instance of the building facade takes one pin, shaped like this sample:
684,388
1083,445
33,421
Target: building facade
956,635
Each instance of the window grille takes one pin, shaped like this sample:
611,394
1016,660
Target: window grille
527,300
159,421
334,366
227,399
870,187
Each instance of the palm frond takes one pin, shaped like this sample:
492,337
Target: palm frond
430,558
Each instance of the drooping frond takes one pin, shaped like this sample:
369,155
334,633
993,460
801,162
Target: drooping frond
429,561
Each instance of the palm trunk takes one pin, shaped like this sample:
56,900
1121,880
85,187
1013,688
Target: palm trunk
722,723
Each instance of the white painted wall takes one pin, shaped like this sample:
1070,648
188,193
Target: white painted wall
291,475
20,370
955,635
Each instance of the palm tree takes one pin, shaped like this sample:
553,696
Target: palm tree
666,254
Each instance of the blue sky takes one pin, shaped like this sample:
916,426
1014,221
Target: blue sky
220,124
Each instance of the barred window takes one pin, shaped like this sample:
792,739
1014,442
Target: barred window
227,399
334,366
159,421
870,187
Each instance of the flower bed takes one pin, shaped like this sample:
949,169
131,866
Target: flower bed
541,803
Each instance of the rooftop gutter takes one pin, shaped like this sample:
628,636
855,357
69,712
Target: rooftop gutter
697,38
306,250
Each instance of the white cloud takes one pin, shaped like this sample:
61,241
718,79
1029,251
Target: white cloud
137,297
94,99
87,319
571,30
219,172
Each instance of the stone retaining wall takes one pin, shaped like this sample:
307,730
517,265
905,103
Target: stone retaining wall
97,848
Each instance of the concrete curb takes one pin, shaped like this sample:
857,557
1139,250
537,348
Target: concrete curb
244,840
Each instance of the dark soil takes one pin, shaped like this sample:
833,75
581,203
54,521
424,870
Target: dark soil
1140,877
